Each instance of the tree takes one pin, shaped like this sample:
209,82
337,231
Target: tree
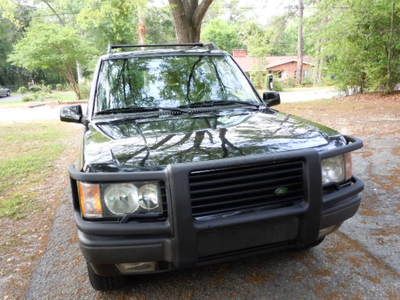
188,16
51,47
224,34
160,26
361,43
300,45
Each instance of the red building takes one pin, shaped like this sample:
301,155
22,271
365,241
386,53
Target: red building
283,67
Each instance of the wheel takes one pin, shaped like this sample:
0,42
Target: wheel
8,94
104,283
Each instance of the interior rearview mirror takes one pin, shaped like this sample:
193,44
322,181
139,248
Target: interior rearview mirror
71,113
271,98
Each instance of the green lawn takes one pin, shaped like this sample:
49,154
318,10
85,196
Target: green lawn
27,155
40,98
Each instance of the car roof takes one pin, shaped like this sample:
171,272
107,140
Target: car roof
163,51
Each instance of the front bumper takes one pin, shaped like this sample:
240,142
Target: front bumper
180,241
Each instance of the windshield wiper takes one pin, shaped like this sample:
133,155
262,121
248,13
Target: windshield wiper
133,109
219,103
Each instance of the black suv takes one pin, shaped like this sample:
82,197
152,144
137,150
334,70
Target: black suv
183,164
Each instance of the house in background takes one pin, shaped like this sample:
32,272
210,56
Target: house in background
282,67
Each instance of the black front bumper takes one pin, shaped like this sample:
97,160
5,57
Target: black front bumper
180,241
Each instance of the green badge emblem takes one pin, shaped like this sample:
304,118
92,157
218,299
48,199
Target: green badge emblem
281,191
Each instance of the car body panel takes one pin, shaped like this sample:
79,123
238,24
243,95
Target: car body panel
132,144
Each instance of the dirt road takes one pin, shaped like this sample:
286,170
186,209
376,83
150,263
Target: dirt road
361,260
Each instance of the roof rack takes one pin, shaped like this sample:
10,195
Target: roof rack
210,46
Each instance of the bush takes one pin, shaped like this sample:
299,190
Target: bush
28,98
59,87
45,88
85,90
278,86
34,88
22,90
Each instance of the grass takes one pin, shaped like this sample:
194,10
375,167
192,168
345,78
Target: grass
40,98
27,154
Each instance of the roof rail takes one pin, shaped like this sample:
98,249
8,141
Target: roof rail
210,46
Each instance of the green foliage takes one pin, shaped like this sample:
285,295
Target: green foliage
259,79
22,90
34,88
361,45
49,46
278,86
28,98
224,34
85,90
159,25
113,21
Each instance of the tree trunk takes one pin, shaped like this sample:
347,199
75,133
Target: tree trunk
300,45
188,16
70,75
389,85
142,31
79,72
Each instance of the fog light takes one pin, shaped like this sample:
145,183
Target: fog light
138,267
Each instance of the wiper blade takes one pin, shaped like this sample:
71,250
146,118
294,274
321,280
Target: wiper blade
134,109
126,110
219,103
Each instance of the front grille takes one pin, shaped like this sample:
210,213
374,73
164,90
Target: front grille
266,184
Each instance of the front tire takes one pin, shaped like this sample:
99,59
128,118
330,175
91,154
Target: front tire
104,283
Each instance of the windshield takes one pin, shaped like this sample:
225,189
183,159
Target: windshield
170,81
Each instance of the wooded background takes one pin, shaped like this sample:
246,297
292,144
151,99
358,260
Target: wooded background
356,43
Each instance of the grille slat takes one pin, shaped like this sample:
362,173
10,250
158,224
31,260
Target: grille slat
249,186
235,180
221,190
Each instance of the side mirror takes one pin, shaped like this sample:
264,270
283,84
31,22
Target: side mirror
71,113
271,98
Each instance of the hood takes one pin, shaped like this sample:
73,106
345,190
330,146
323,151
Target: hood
153,143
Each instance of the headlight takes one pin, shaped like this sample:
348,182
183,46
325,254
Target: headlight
336,169
149,196
119,199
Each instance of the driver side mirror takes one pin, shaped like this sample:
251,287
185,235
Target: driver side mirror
71,113
271,98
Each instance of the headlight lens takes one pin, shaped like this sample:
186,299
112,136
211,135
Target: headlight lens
336,169
149,196
121,198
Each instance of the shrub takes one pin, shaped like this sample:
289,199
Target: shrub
22,90
28,98
45,88
34,88
85,90
278,86
59,87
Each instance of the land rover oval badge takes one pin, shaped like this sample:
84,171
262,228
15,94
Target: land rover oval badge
281,191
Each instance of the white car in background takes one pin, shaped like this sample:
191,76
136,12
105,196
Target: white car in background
5,92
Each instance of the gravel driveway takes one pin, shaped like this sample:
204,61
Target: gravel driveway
360,261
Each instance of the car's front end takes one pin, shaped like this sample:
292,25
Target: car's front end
170,178
215,210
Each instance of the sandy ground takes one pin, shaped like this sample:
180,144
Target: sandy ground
360,261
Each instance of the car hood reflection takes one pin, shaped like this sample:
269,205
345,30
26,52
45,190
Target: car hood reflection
153,143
